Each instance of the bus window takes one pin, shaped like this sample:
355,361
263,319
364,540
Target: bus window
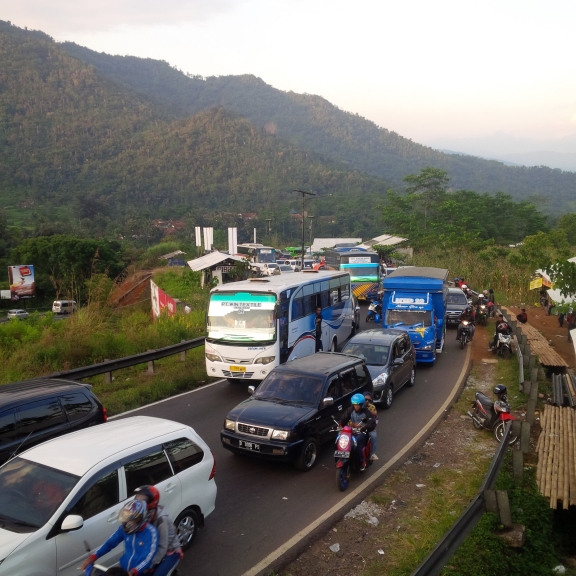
334,297
345,292
325,285
308,289
335,283
309,305
297,309
325,299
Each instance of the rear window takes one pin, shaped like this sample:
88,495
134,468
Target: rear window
39,416
183,454
76,405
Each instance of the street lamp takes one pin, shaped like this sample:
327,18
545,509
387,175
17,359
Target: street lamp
304,194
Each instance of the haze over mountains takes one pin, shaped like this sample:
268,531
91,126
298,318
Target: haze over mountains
103,142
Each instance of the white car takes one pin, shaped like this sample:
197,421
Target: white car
21,314
285,269
268,269
66,492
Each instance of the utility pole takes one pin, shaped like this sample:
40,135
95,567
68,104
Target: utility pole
311,218
304,194
269,220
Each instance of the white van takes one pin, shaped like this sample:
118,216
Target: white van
65,494
64,306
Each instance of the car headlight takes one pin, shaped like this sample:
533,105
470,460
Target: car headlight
230,424
280,434
428,346
380,380
265,360
213,357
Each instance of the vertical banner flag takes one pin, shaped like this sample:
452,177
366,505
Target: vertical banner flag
198,236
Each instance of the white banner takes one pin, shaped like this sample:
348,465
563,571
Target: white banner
198,236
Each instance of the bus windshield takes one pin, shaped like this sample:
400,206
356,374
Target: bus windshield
409,317
242,317
265,255
365,273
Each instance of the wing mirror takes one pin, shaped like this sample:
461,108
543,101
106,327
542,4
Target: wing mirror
72,522
251,389
398,362
328,401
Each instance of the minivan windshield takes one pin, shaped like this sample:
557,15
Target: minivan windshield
290,388
30,493
456,298
373,354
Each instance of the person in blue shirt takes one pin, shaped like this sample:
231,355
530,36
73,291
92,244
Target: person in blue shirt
140,540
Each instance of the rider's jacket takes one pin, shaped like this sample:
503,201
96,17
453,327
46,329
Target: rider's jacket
139,548
470,316
168,541
369,423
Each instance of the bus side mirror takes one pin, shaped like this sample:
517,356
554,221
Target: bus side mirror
277,312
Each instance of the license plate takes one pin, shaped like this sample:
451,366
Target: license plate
249,445
237,368
341,454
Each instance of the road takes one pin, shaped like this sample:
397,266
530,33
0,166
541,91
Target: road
261,505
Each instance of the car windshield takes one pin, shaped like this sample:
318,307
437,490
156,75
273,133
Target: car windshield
290,388
457,298
408,318
242,317
373,354
30,493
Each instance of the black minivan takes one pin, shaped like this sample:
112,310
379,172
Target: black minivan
33,411
292,411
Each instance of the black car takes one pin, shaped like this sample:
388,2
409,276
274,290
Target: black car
36,410
390,358
292,411
456,303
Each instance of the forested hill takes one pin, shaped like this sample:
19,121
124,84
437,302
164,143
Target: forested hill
311,122
97,156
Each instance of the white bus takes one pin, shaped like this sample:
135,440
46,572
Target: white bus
256,324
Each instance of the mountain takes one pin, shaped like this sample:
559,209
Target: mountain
313,123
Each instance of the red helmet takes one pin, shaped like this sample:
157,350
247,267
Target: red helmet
150,494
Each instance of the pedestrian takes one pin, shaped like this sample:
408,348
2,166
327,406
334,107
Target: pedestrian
522,317
491,296
318,326
561,319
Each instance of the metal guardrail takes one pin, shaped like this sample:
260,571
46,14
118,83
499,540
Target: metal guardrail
520,361
450,542
128,361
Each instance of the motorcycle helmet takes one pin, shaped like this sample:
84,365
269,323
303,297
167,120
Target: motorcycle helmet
132,516
357,399
149,494
485,292
500,390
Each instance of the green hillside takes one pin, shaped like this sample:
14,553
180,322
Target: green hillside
311,122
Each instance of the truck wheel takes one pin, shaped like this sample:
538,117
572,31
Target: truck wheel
308,455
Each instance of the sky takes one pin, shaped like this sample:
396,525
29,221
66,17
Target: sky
432,71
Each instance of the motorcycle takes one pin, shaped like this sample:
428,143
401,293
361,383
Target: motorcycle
347,457
503,345
482,314
465,333
492,416
374,311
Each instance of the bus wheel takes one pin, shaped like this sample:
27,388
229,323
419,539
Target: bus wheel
333,346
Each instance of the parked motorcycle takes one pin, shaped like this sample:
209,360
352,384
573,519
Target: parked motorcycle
482,314
374,311
347,457
465,333
493,416
503,345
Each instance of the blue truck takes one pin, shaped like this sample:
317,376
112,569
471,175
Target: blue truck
415,300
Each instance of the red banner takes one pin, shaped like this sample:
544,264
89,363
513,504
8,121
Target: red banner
161,302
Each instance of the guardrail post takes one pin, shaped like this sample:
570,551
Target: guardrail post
518,464
526,356
504,508
107,375
531,361
525,437
530,412
183,353
151,365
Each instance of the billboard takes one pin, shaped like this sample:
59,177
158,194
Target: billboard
161,302
22,283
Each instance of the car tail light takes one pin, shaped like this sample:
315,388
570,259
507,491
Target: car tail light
213,473
105,414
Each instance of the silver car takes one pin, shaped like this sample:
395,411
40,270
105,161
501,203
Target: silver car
21,314
390,358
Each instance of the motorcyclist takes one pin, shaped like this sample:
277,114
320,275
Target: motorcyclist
140,540
470,317
502,327
373,433
360,419
169,550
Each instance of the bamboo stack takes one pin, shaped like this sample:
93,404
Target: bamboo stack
556,470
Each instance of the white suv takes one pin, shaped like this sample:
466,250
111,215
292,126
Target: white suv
66,492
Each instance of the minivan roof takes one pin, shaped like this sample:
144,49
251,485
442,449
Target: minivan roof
78,452
319,364
29,389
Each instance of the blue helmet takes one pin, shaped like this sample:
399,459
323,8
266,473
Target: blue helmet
358,399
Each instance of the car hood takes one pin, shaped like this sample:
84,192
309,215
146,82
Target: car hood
375,370
269,414
9,541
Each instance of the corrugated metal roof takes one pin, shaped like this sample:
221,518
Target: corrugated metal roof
384,240
320,243
171,255
211,260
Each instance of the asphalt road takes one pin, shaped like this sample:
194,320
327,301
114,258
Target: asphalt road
261,505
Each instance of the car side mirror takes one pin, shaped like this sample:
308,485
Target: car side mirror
72,522
357,308
328,401
398,362
251,389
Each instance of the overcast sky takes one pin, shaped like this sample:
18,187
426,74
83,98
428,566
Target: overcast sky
425,69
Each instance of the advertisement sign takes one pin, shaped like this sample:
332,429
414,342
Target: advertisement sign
161,302
359,260
536,283
22,283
